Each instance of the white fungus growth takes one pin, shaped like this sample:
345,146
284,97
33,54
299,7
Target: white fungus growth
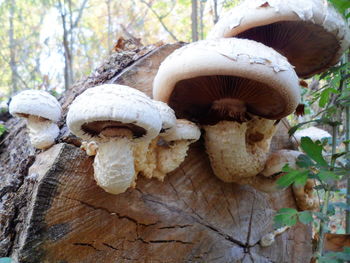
42,111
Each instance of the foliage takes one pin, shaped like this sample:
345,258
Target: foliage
341,5
2,129
325,162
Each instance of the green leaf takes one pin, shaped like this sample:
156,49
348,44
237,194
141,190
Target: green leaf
313,150
2,131
304,161
5,260
301,178
324,98
291,176
327,176
286,217
341,5
305,217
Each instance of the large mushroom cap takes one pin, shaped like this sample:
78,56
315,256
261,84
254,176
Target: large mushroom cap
113,106
202,80
37,103
310,33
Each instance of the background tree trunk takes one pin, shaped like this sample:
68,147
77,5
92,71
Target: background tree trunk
194,20
52,211
13,48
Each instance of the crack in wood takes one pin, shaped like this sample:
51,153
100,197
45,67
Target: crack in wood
114,213
85,245
110,246
175,226
160,241
250,223
197,220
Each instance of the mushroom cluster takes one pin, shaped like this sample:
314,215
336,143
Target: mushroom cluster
240,82
123,129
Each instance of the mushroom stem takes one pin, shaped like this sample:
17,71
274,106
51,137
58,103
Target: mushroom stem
114,164
170,157
237,150
42,132
145,157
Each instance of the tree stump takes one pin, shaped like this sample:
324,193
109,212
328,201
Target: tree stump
51,209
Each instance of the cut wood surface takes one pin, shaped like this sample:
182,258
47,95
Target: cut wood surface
55,212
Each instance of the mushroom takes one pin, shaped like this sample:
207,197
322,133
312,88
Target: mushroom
145,152
313,133
266,180
115,117
42,111
167,151
178,140
235,89
268,239
310,33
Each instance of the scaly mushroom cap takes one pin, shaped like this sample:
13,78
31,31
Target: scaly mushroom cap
310,33
184,130
210,81
36,103
312,132
167,115
113,106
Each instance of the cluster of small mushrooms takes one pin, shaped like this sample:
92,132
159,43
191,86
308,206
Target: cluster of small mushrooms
235,86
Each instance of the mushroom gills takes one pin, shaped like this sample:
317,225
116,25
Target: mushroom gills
94,128
42,132
114,162
221,97
307,46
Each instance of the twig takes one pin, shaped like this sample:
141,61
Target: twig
160,18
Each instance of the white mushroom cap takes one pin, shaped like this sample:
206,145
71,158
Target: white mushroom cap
113,106
312,132
184,130
310,33
37,103
278,160
196,75
167,115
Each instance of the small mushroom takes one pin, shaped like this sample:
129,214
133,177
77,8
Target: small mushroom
313,133
178,140
235,89
310,33
115,117
42,111
266,180
145,152
268,239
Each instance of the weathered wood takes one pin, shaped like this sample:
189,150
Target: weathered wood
60,215
336,242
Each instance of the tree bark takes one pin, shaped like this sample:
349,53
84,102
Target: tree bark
51,209
194,20
13,48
